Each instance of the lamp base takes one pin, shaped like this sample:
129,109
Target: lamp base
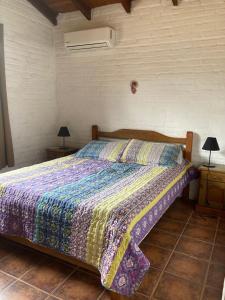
209,166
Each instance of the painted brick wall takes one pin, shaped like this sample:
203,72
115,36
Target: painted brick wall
30,74
177,54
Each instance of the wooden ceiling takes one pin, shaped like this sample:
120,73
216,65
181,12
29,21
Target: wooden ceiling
51,8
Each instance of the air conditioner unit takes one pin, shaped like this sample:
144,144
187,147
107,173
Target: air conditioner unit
104,37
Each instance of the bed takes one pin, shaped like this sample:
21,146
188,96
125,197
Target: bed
94,213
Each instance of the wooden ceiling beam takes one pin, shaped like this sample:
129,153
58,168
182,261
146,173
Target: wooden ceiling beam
45,10
82,6
126,5
175,2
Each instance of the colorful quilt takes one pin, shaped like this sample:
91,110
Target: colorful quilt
96,211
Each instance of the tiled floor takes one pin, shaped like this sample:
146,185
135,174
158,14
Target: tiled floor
187,254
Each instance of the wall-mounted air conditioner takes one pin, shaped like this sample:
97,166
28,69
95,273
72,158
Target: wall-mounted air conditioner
104,37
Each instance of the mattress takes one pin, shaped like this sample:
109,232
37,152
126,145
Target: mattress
96,211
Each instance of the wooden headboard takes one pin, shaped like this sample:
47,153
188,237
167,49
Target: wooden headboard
146,135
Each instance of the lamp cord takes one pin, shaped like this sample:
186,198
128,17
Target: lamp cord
207,179
209,157
207,187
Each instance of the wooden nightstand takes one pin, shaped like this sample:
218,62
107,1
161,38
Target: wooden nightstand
57,152
211,198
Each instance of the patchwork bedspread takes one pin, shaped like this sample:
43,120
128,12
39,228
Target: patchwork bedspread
96,211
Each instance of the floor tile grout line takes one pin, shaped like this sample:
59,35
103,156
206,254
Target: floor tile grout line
165,231
180,277
163,270
193,257
33,286
210,260
174,220
31,268
179,252
184,235
15,278
158,246
196,239
28,270
8,274
6,256
63,281
96,276
19,279
101,295
5,273
141,294
183,277
49,296
7,287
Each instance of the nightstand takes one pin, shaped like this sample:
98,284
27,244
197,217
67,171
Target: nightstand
57,152
211,199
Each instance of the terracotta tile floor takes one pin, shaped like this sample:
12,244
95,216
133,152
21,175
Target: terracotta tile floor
187,253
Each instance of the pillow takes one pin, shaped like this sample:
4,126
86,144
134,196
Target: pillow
146,153
103,150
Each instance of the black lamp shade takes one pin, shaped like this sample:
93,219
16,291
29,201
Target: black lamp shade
64,131
211,144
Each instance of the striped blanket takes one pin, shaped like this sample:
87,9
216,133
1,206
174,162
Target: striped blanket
96,211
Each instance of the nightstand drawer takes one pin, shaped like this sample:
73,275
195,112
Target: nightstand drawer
217,177
213,174
211,198
216,194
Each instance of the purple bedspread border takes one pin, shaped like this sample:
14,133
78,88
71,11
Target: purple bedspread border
134,259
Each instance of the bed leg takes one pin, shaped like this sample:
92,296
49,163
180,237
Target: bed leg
114,296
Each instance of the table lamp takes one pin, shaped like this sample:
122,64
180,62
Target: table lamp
211,144
63,132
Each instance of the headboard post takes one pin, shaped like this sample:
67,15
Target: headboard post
189,142
94,132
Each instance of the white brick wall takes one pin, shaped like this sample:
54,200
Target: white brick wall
30,72
177,54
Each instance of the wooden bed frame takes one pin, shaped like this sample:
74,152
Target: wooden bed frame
146,135
119,134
